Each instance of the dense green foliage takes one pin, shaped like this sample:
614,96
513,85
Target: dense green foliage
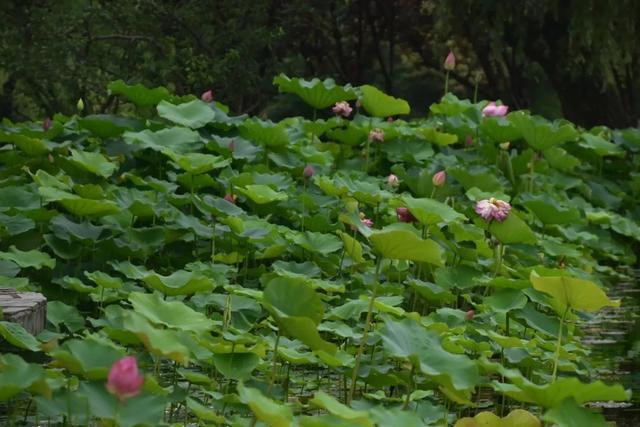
235,258
577,59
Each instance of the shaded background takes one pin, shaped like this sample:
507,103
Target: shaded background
573,58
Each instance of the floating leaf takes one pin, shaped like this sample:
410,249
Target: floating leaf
379,104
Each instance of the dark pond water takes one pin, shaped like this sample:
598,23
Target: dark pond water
614,336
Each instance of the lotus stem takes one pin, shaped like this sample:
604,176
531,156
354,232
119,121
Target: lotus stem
557,355
446,83
365,333
274,364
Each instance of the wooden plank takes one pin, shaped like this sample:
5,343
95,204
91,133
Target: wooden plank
26,308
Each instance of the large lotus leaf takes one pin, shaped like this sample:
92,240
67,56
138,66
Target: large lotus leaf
16,224
88,207
262,194
164,342
404,244
236,366
459,276
318,242
104,280
196,163
17,376
298,309
540,133
204,413
352,247
451,105
550,211
179,282
512,230
516,418
317,93
350,135
552,394
30,146
18,336
265,409
193,114
142,410
95,163
331,405
561,159
570,414
438,138
177,139
172,314
430,211
90,357
407,339
26,259
107,125
479,177
139,94
571,292
59,313
66,229
19,197
505,300
265,133
499,130
601,146
379,104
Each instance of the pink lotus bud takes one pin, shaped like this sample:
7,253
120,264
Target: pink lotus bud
493,208
390,119
232,146
308,171
46,124
468,141
50,158
124,380
493,110
376,135
404,215
439,178
393,180
469,315
231,198
207,96
342,108
450,61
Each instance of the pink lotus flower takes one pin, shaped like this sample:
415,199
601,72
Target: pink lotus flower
390,119
124,379
393,180
368,222
308,171
404,215
450,61
376,135
342,108
46,124
231,198
493,110
493,208
232,146
469,315
207,96
439,178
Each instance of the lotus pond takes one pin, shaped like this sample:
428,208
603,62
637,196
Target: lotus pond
346,267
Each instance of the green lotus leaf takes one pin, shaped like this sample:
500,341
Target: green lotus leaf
404,244
541,134
34,147
164,342
438,138
451,105
570,414
262,194
28,259
499,130
352,247
59,313
179,282
550,211
505,300
139,94
318,242
88,207
95,163
176,139
601,146
107,125
264,408
515,418
91,357
407,339
265,133
193,114
331,405
577,294
317,93
430,211
172,314
18,336
204,413
17,376
236,366
196,163
379,104
512,230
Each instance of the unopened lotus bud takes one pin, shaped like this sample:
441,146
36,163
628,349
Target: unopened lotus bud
207,96
308,171
231,198
376,135
505,145
80,105
393,180
469,315
468,141
450,61
439,178
46,124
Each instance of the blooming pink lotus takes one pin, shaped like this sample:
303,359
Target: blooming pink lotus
439,178
308,171
207,96
393,180
493,110
124,379
342,108
450,61
368,222
404,215
493,209
376,135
